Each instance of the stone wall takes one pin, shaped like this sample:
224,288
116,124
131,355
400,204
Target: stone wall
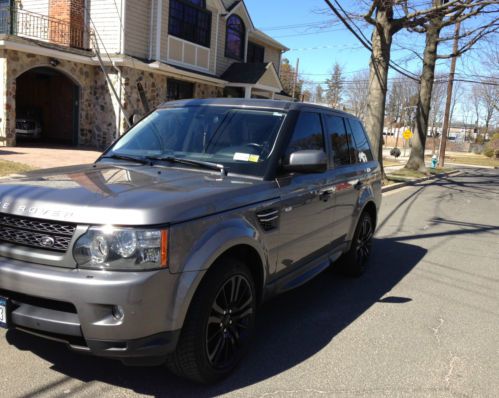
100,113
207,91
154,86
16,63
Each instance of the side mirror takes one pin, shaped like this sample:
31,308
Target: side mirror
307,161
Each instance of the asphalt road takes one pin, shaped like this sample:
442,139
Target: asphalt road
423,321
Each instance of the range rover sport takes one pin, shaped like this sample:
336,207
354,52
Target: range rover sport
163,250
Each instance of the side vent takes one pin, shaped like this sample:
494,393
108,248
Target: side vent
269,219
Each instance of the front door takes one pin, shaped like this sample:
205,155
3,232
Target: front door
306,205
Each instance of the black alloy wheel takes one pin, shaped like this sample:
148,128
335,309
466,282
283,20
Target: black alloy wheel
354,262
219,325
229,322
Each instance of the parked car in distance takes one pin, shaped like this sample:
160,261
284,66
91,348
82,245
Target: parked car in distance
164,249
28,124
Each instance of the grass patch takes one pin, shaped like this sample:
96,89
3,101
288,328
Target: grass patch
7,168
390,162
407,175
472,160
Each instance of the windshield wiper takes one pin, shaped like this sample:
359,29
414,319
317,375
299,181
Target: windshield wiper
190,162
126,157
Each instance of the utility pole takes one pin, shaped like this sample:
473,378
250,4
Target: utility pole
295,79
450,85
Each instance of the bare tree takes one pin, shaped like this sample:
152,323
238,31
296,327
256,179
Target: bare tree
387,18
356,93
319,94
334,93
446,14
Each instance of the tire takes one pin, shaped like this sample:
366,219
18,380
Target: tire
354,262
219,325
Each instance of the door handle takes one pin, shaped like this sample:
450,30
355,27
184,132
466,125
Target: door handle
326,194
357,184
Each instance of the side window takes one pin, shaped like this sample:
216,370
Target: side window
307,133
337,134
363,152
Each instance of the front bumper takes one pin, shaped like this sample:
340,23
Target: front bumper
79,307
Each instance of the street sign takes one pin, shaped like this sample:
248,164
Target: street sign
407,134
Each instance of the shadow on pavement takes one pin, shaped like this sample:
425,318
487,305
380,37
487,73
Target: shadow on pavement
291,328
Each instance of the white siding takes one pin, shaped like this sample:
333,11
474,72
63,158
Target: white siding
138,20
106,15
38,6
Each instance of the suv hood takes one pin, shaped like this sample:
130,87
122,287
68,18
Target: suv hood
128,195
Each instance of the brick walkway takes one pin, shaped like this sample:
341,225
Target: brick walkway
43,158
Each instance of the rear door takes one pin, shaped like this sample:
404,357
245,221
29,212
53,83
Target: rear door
343,176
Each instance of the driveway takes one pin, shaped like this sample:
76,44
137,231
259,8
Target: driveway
422,322
43,158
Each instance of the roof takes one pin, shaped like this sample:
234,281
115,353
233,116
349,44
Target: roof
259,35
253,103
248,73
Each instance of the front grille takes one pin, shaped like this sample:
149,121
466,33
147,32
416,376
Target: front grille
42,234
22,125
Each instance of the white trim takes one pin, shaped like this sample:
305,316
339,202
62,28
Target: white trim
171,70
151,32
257,86
122,26
216,42
47,52
159,19
197,48
188,42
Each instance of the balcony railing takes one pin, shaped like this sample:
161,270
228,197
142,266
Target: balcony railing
14,21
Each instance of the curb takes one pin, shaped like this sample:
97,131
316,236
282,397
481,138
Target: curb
392,187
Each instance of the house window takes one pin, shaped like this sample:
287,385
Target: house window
234,45
189,20
256,53
178,89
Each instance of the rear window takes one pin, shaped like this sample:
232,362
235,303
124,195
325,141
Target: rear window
363,152
337,134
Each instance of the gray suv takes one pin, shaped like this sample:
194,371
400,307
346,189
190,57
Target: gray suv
163,250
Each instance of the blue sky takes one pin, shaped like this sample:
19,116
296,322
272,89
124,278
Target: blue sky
319,46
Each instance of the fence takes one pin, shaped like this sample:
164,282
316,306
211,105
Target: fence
28,24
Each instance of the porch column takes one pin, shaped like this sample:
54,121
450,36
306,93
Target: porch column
247,92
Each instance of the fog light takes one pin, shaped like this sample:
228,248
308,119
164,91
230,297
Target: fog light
118,312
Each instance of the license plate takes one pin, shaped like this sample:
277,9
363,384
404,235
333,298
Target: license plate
3,312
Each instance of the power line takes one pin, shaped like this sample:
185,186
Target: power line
364,41
300,25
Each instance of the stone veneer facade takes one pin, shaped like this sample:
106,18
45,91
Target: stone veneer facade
100,113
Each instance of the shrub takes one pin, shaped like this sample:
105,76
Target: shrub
489,152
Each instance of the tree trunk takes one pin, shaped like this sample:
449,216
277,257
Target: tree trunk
416,159
378,81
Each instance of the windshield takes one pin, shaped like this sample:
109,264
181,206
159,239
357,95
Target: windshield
239,139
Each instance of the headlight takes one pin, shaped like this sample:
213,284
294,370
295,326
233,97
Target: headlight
125,249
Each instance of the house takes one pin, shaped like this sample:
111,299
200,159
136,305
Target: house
83,69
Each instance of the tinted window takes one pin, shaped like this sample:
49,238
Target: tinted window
337,133
362,149
307,133
234,47
190,22
256,53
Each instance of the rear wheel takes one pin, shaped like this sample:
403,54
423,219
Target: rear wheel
219,324
354,262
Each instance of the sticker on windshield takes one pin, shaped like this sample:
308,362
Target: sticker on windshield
246,157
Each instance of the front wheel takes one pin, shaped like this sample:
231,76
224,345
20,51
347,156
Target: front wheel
354,262
219,324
